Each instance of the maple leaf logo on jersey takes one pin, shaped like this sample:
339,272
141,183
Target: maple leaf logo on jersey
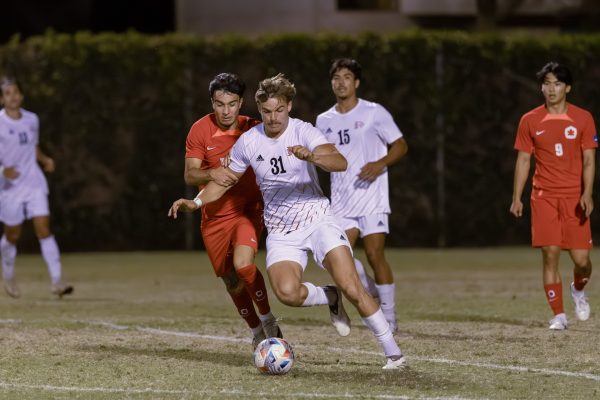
570,132
260,158
358,124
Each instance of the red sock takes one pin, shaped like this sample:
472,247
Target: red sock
554,296
580,281
255,284
243,302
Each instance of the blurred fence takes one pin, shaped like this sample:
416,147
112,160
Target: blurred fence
115,110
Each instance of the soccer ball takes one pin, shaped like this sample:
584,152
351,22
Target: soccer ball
274,356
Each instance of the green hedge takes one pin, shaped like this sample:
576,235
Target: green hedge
115,110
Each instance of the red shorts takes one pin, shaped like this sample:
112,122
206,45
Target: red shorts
559,222
222,235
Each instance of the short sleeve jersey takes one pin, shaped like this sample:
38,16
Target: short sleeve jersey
18,149
290,187
557,142
207,142
362,135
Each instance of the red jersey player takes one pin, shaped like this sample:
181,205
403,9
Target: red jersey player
230,227
562,138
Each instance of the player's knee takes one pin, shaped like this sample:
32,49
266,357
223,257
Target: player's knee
582,262
12,236
288,294
354,292
375,257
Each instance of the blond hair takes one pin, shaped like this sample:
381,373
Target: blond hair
275,87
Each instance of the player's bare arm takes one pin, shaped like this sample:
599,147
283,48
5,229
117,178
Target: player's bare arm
324,156
212,192
46,162
521,173
370,171
194,175
589,167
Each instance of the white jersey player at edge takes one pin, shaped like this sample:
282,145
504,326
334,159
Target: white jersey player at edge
283,152
23,188
362,132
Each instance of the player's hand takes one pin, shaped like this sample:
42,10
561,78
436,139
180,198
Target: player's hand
223,176
301,152
370,171
10,173
587,205
183,205
48,164
516,208
225,161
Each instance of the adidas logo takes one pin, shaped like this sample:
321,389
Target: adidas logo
342,237
260,158
328,130
380,223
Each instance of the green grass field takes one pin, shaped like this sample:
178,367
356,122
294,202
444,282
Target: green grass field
160,326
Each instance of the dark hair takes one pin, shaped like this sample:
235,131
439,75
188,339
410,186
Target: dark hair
348,63
227,82
278,87
9,80
562,73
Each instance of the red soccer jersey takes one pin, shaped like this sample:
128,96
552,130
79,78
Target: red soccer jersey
557,142
210,144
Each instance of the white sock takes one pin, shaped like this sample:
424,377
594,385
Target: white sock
51,255
387,294
8,251
381,329
365,279
316,295
266,317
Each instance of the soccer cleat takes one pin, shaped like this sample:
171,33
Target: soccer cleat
558,323
12,289
339,318
272,329
582,307
393,326
257,339
61,290
396,362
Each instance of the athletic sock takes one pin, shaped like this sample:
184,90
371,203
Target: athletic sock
266,317
554,295
8,251
51,255
243,302
316,295
580,281
257,330
367,282
380,327
387,294
255,285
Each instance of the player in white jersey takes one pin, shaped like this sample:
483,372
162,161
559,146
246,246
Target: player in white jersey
362,132
23,188
283,153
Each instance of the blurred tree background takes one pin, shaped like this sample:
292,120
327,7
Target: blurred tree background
115,110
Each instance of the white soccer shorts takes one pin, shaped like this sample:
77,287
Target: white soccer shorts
320,238
14,211
367,225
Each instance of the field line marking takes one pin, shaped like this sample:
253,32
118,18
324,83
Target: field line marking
583,375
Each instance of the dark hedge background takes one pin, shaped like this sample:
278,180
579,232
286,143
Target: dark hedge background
115,110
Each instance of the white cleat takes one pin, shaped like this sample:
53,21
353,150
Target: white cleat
558,323
396,362
12,289
582,307
339,318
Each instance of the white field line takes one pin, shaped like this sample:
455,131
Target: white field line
546,371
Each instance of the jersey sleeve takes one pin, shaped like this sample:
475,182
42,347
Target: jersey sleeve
589,139
195,146
386,128
523,141
312,137
238,159
36,127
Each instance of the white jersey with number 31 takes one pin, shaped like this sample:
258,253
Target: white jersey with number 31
290,187
362,135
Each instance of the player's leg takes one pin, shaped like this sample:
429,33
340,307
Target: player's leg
8,252
374,244
547,234
245,242
582,271
350,225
